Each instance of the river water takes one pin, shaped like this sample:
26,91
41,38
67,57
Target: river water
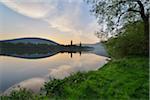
32,73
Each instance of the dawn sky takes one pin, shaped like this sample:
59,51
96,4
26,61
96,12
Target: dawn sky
57,20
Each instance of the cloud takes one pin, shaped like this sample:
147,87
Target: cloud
61,72
67,16
64,16
73,17
30,9
34,84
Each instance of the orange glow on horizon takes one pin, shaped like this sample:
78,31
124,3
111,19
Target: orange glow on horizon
64,40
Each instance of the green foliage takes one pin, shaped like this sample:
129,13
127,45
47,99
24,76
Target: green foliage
130,42
23,94
55,87
120,79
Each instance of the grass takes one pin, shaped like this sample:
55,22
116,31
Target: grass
121,79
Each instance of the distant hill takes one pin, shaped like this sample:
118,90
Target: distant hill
31,40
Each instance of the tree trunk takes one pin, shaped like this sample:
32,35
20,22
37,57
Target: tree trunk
146,27
146,32
145,18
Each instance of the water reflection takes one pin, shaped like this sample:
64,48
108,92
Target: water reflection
39,56
32,74
40,51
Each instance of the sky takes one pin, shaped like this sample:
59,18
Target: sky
57,20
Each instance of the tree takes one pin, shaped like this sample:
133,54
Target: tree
101,35
71,42
80,44
117,13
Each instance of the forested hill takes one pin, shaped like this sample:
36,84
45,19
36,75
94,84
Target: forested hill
31,40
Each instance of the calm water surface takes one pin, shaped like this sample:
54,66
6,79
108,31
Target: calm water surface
32,73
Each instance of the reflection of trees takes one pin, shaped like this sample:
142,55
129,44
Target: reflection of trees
71,53
22,48
36,49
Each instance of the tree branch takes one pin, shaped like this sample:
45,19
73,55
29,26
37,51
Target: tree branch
120,17
130,9
118,3
142,10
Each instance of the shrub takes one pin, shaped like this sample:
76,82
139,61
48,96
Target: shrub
131,42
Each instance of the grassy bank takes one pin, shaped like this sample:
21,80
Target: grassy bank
122,79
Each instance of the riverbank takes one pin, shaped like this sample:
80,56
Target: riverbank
125,78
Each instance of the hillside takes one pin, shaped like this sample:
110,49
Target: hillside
31,40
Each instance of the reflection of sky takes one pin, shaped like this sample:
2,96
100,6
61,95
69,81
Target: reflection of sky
58,20
15,70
